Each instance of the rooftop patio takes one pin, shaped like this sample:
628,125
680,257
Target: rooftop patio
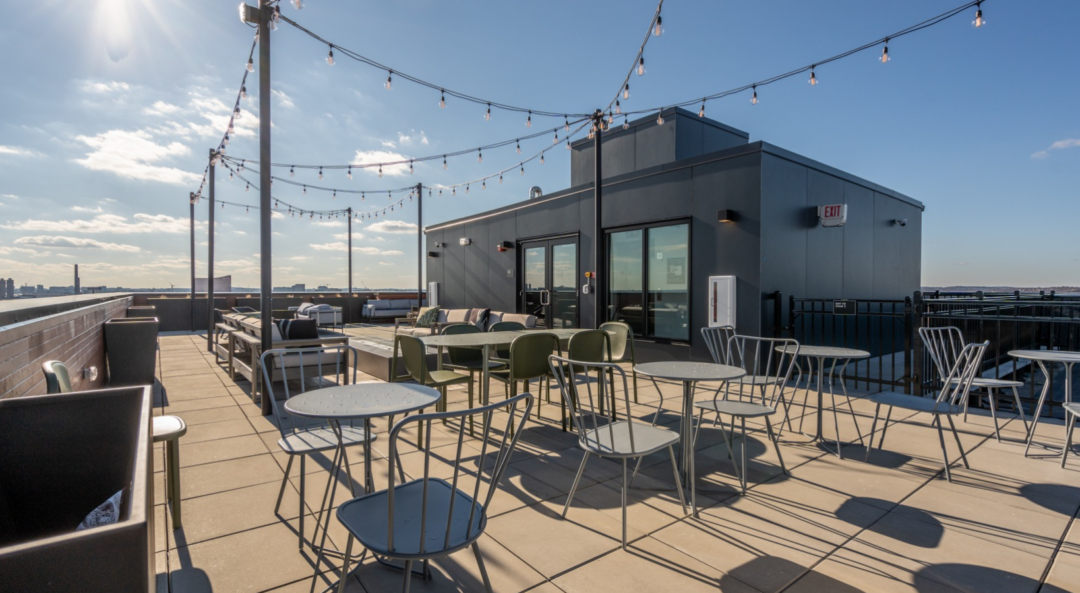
891,524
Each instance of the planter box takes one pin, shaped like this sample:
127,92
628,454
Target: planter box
60,457
142,312
131,350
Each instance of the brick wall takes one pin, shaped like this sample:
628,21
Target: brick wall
76,337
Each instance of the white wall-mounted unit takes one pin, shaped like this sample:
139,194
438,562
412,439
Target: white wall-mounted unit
721,301
433,293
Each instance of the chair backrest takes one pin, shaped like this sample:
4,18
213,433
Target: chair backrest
957,382
463,356
464,520
529,354
56,377
414,355
717,338
621,339
505,326
591,345
768,363
297,368
583,395
944,345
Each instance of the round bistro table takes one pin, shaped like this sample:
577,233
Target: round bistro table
1043,358
837,355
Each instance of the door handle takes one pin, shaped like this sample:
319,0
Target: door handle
545,297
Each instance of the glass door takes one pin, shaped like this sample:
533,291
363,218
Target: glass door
549,282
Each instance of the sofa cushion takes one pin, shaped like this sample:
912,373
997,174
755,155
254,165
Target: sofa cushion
457,316
427,316
328,358
382,304
442,317
304,306
529,321
478,317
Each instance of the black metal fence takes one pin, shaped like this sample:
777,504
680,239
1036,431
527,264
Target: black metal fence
888,329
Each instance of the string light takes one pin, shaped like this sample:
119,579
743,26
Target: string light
320,173
335,195
298,4
885,52
528,122
305,190
247,188
330,56
273,19
410,168
292,171
500,178
480,158
567,125
754,100
380,171
225,140
813,77
701,112
243,92
979,21
641,66
567,144
625,126
541,159
659,29
251,65
523,170
242,165
444,166
466,188
350,172
660,118
519,146
626,92
230,174
390,80
236,112
442,100
483,185
618,108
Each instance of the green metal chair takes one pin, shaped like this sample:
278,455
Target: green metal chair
503,355
56,377
591,346
470,360
414,355
621,339
528,360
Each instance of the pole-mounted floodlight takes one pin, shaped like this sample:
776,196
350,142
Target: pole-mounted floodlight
248,14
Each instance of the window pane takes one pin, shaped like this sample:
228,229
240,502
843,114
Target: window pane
535,283
563,289
624,279
669,275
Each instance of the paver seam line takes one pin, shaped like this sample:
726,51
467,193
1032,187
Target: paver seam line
933,477
1057,549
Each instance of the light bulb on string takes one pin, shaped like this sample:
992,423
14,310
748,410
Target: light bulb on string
275,204
753,100
979,21
231,129
223,205
641,66
487,114
466,188
320,173
411,171
523,170
701,112
453,191
225,140
528,122
362,196
243,92
241,167
660,118
625,126
541,159
518,146
330,56
483,185
298,4
230,174
813,76
626,92
444,166
305,190
500,178
236,112
442,99
247,209
567,144
390,80
292,171
555,140
349,174
247,187
885,52
380,171
618,107
567,124
610,118
273,20
658,30
251,65
335,195
480,158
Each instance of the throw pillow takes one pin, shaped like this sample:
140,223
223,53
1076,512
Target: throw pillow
299,329
427,316
106,514
479,317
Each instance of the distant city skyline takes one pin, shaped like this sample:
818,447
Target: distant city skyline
107,126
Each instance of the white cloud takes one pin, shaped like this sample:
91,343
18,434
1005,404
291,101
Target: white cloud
339,246
17,151
329,223
1059,145
9,196
367,157
397,227
74,242
161,108
343,236
300,258
128,154
283,99
278,216
108,223
17,250
100,88
245,232
96,210
411,137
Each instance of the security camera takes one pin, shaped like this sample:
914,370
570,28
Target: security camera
900,222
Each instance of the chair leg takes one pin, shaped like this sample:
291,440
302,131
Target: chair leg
873,428
944,454
348,473
776,444
1020,409
990,395
1070,420
408,576
835,420
885,428
573,488
345,566
483,569
303,462
634,375
284,481
625,487
728,437
956,436
172,450
742,449
471,427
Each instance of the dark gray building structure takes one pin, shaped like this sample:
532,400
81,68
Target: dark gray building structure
682,201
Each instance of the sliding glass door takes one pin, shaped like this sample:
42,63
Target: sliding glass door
649,280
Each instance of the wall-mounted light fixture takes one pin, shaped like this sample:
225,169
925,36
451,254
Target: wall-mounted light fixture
503,246
726,215
439,245
900,222
433,254
464,241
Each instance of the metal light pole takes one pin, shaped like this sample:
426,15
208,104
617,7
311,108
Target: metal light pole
210,261
349,212
598,226
192,201
420,244
265,228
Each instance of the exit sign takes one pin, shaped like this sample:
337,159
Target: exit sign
832,214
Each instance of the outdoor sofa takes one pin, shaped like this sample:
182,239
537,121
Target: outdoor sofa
389,308
482,318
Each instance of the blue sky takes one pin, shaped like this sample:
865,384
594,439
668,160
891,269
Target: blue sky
110,106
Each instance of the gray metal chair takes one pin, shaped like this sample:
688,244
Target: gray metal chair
1072,414
300,437
427,517
944,345
603,436
949,402
768,363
